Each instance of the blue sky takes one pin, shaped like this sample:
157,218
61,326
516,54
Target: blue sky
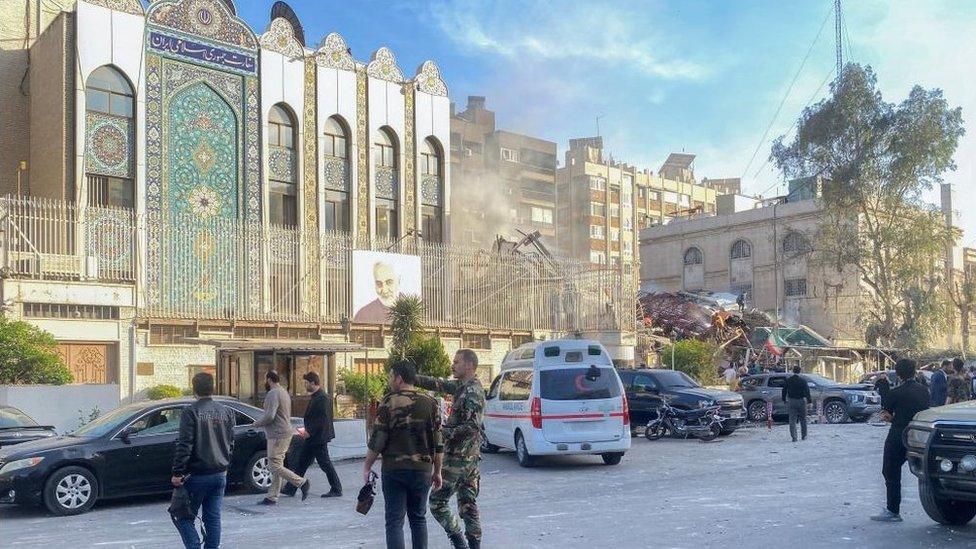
701,76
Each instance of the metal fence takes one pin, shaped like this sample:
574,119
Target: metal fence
228,270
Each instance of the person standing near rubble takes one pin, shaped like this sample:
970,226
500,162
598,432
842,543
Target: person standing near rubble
796,395
462,450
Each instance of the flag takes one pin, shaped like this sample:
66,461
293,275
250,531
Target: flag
775,343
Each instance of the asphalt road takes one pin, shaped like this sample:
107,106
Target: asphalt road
752,489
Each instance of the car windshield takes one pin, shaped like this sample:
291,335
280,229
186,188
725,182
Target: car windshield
673,379
821,380
12,417
104,424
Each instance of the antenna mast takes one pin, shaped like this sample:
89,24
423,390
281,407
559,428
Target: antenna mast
838,37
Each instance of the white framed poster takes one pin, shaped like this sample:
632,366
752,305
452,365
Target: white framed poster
379,278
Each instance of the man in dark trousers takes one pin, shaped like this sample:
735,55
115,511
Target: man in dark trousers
903,402
319,430
939,387
203,451
796,395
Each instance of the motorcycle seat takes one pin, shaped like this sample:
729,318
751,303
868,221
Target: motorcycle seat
691,414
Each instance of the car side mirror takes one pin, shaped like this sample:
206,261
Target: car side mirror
124,435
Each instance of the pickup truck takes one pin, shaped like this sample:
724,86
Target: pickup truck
941,445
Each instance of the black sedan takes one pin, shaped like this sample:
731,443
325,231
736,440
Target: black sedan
126,452
16,427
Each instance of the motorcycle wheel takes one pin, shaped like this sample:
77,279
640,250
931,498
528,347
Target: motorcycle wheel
712,434
654,431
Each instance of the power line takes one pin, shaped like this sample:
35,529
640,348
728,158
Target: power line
786,95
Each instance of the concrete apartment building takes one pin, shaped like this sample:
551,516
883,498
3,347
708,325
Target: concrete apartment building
503,182
602,202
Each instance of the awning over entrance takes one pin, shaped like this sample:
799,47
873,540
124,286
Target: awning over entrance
277,345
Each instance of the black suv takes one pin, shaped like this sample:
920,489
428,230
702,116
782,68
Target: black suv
646,387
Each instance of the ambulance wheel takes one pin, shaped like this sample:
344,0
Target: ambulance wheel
612,458
487,447
525,459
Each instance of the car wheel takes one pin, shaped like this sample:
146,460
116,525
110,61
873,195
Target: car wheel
757,410
945,511
70,491
835,412
257,474
612,458
525,459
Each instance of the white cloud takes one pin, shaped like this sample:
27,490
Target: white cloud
582,32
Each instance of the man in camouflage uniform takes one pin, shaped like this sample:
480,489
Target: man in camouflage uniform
407,433
959,385
462,450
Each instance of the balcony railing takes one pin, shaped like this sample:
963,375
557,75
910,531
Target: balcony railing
228,270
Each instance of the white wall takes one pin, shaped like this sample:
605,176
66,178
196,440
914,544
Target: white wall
433,118
336,95
283,81
60,405
386,108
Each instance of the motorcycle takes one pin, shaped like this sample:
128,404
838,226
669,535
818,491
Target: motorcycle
704,423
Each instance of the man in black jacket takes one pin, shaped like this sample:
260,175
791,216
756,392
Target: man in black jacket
901,405
319,430
796,395
200,460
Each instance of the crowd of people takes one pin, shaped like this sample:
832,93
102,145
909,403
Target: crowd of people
418,452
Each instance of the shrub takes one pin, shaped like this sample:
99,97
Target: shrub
29,355
160,392
693,357
365,388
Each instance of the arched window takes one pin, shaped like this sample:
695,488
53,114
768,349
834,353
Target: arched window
109,139
741,249
796,243
336,151
386,161
432,189
282,171
693,256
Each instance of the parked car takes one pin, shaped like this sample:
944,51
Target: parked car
557,397
126,452
16,427
645,388
941,445
840,402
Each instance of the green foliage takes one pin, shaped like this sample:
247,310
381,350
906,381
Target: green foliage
160,392
877,160
28,355
693,357
365,388
405,322
427,353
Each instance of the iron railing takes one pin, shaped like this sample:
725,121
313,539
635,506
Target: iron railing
229,270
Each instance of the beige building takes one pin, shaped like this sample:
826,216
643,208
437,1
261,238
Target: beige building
602,202
762,253
503,182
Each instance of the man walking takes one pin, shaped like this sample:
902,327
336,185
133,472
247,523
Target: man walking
939,386
278,430
203,452
796,395
407,433
462,450
959,385
319,430
903,402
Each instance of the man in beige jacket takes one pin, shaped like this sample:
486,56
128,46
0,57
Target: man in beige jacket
278,431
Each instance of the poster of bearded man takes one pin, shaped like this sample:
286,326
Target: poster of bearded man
379,278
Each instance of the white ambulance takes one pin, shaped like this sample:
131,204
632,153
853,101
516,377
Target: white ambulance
558,397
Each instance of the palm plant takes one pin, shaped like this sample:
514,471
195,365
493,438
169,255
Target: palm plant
405,323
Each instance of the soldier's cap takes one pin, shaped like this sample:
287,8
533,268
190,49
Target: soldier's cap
312,377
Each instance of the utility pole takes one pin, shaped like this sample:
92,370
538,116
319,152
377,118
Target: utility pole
838,37
598,125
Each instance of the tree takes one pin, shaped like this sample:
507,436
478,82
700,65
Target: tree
29,355
877,159
964,298
410,341
693,357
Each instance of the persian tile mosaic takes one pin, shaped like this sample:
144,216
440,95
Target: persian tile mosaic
430,190
429,79
281,164
334,53
410,151
109,145
336,173
126,6
109,237
208,18
280,37
386,183
383,66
